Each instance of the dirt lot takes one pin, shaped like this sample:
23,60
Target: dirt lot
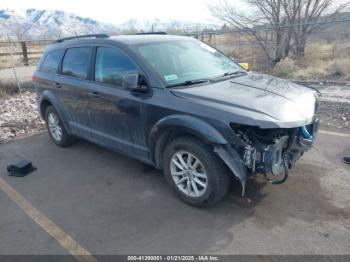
24,73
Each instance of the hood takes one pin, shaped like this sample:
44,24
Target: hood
257,99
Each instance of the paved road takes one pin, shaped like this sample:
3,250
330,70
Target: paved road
24,73
110,204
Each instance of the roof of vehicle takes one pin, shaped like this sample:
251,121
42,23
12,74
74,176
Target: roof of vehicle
123,39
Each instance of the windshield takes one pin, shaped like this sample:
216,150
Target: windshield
181,61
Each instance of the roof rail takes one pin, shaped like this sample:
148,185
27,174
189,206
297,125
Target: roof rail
81,36
152,33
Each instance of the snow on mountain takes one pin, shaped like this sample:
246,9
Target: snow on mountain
15,25
147,25
62,23
33,23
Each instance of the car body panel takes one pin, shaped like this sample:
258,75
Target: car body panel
280,104
116,117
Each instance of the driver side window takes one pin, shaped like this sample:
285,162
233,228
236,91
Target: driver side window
111,65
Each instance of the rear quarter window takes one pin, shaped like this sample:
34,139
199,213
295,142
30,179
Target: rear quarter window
76,62
51,61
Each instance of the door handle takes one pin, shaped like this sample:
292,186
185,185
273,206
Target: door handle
95,94
58,85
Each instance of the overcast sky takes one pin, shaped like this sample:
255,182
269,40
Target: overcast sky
118,11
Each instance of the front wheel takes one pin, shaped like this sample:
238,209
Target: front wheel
198,176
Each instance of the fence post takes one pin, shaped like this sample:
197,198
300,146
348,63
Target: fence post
24,53
13,66
266,40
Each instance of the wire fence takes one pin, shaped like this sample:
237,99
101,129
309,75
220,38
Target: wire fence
329,42
26,52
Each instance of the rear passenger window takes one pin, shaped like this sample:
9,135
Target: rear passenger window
76,62
52,61
111,65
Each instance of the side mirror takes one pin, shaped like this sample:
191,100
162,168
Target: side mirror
135,82
245,66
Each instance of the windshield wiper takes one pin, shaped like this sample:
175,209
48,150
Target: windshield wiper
232,73
189,83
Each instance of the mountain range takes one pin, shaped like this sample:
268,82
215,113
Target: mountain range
35,24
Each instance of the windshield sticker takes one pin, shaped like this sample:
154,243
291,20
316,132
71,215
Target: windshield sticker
208,48
170,78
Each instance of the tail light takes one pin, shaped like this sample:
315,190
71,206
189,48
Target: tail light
33,78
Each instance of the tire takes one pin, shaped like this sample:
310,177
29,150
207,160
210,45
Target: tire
60,137
217,179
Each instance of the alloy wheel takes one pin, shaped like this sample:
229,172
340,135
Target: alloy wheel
54,126
188,174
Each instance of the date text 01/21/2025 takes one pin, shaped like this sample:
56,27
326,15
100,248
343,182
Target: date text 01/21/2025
173,258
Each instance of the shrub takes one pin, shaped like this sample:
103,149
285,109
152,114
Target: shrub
313,69
340,67
11,87
285,68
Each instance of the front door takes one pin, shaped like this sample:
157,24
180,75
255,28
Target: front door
114,112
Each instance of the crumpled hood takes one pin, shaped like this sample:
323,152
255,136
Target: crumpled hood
257,99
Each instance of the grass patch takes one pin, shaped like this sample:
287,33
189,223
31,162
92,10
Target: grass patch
321,61
10,88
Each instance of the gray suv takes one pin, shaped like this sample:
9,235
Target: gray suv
179,105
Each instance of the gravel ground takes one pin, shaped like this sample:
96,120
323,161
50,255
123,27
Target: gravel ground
335,106
19,117
335,116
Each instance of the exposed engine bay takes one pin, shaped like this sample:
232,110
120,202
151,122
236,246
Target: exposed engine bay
272,152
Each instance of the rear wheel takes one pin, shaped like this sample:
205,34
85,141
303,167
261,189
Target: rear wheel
56,128
197,175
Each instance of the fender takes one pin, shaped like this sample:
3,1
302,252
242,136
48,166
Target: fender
185,123
234,162
50,97
188,124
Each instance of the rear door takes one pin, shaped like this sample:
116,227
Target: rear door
73,83
47,70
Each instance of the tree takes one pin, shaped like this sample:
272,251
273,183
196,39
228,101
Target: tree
287,23
308,15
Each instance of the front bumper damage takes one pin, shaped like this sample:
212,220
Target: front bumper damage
267,152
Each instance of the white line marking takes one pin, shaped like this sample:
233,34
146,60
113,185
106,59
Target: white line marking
65,240
334,133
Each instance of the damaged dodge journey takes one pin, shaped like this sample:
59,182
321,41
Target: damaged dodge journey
179,105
